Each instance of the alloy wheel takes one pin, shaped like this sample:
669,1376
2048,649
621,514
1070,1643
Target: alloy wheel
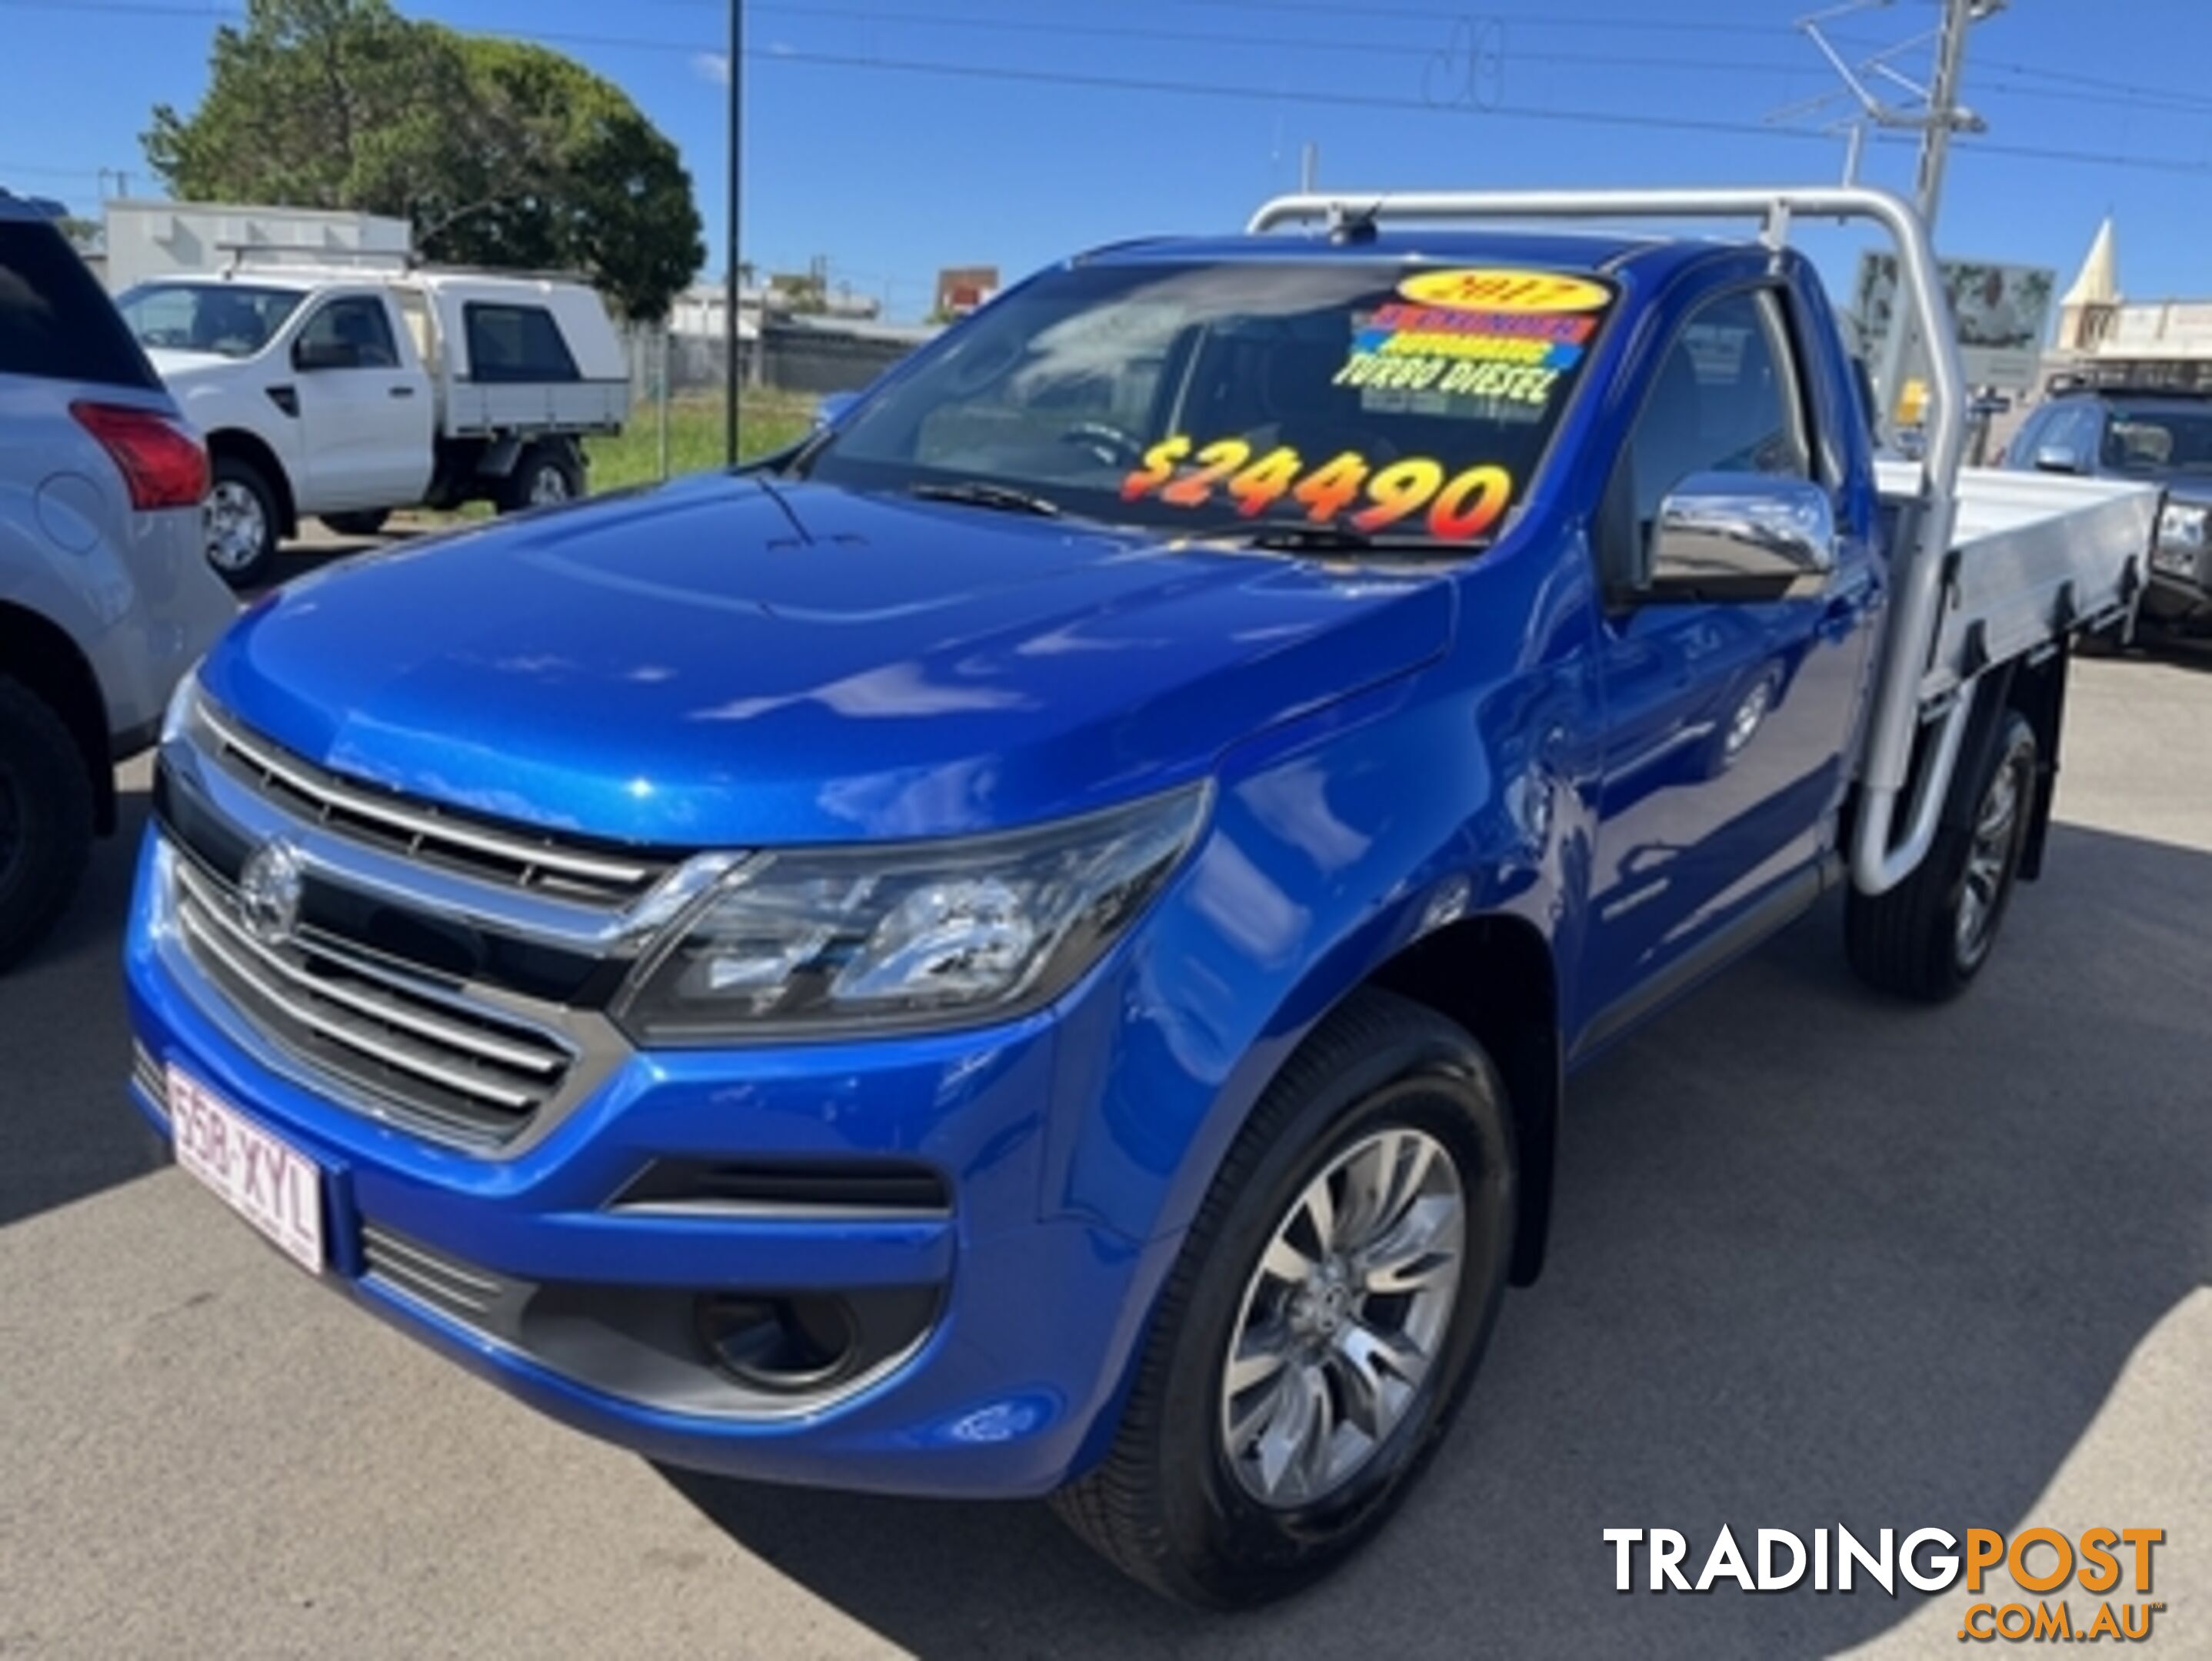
1989,859
237,528
548,485
1343,1317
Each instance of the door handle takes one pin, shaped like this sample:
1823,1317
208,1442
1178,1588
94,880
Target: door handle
403,391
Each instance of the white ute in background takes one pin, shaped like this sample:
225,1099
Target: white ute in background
348,393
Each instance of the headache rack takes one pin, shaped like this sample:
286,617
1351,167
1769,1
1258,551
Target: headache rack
1984,568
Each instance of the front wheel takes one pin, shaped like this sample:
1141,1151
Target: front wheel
241,520
1322,1321
1928,936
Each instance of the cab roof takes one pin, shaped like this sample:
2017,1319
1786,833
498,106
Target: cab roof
1649,259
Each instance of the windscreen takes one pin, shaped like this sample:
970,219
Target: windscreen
1381,399
226,319
2159,440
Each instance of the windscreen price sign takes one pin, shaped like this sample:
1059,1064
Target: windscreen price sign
1998,314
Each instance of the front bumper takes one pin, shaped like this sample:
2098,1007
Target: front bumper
2180,586
1004,1393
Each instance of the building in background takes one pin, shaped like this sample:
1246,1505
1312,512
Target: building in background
2086,310
148,240
796,331
961,289
2103,335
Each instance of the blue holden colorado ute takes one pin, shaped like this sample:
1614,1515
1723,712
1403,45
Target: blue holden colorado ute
1031,944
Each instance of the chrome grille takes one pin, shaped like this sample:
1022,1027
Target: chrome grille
430,1050
498,853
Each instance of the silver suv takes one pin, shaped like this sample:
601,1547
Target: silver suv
105,597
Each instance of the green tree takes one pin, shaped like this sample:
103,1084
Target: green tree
497,152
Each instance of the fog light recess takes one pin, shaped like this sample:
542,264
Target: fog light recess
782,1346
801,1345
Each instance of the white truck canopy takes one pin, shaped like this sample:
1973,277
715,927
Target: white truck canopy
498,368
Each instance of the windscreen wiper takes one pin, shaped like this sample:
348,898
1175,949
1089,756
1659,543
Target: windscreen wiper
1337,539
1001,498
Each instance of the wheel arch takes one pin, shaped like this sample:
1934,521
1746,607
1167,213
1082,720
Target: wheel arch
2038,691
251,448
40,656
1495,976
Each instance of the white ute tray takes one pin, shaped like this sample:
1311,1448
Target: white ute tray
2022,540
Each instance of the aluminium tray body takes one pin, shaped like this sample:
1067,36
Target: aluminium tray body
2034,555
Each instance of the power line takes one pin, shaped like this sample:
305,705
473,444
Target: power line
1313,96
133,8
1463,14
1523,20
2124,94
2075,78
1321,98
1324,98
1245,42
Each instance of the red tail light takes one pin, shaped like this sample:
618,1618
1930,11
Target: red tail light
164,465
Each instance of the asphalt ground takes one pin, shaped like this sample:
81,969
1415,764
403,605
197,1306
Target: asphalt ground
1818,1258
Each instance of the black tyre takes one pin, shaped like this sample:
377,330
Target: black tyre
46,818
362,522
242,518
546,475
1323,1320
1928,936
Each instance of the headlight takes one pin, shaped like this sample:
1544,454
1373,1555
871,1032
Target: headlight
931,934
2180,526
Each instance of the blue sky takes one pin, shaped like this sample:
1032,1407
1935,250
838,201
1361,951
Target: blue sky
1065,132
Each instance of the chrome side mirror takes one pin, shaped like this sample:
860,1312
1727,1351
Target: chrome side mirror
2058,458
1741,536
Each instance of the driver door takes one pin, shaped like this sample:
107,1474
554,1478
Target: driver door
365,416
1728,722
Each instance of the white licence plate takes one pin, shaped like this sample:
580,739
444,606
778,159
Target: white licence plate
266,1180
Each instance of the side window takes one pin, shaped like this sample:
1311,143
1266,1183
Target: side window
2092,437
2034,432
516,343
1726,400
351,332
54,323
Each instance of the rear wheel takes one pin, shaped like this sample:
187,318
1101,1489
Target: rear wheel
1323,1320
241,520
544,475
46,818
363,522
1929,936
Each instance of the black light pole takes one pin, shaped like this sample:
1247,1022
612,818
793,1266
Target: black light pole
737,153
